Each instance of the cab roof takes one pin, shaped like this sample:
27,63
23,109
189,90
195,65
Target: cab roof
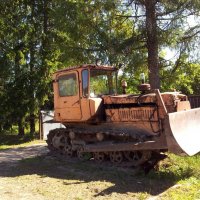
90,66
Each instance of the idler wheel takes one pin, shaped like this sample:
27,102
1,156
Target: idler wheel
83,156
68,150
58,141
99,157
137,157
49,140
116,157
100,136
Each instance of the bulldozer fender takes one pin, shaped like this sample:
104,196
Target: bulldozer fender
182,130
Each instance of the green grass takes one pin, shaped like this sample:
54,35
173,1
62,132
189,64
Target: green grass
181,167
187,189
12,140
33,142
184,172
175,178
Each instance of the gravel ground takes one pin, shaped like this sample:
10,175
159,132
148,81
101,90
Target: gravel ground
10,157
31,173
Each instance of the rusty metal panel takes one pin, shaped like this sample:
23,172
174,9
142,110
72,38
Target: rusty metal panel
127,99
183,105
80,67
175,101
137,114
133,114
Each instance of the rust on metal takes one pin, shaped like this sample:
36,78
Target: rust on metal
102,123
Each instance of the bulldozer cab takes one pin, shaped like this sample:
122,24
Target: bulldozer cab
102,82
78,92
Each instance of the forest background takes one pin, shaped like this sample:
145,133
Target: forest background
37,37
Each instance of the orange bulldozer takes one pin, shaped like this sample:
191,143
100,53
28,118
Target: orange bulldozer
119,127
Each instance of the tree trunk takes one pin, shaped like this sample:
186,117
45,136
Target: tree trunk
32,124
32,72
45,30
20,128
32,88
152,44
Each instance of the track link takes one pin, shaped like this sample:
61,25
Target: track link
71,142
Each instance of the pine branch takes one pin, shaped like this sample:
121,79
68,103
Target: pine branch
180,7
131,16
191,33
178,61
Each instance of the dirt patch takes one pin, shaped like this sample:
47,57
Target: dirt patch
13,155
31,173
10,158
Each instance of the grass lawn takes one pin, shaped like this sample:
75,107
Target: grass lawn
13,140
50,177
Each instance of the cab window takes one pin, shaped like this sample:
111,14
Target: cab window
85,82
67,85
102,82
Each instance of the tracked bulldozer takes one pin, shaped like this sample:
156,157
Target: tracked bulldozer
101,124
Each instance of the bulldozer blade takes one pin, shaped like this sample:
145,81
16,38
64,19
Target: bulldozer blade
182,131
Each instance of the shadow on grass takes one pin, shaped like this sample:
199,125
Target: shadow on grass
124,179
13,139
